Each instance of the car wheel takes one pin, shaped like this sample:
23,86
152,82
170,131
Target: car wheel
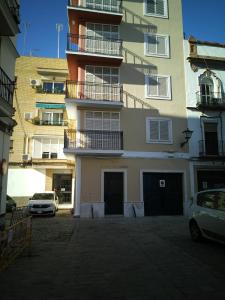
195,231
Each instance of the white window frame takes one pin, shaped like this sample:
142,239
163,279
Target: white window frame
165,16
111,112
168,97
170,130
167,42
111,75
59,151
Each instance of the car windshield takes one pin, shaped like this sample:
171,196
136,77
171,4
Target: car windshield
43,196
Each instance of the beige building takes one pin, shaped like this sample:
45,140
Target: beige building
37,161
126,94
9,28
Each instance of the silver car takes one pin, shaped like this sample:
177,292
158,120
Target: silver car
45,203
208,215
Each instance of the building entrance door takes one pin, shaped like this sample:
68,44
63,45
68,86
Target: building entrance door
113,193
62,184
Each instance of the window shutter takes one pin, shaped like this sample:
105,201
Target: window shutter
161,45
37,148
160,7
151,44
151,6
163,86
154,130
164,130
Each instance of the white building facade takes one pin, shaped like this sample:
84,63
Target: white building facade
205,96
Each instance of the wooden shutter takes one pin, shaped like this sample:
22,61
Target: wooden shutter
164,131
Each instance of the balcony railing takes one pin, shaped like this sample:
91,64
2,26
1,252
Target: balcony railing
207,148
93,139
211,100
94,91
15,9
99,5
94,45
41,90
49,123
6,87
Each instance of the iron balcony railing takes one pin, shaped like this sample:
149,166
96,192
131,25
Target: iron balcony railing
212,99
207,148
93,139
94,45
6,87
100,5
50,123
94,91
15,9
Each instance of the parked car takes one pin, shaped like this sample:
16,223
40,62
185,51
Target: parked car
10,204
45,203
208,215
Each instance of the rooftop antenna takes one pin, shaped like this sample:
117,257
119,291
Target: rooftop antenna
26,27
59,27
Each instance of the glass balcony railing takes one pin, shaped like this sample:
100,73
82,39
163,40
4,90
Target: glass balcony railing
114,6
93,139
94,91
94,45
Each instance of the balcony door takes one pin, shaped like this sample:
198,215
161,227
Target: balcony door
102,38
211,138
102,83
206,90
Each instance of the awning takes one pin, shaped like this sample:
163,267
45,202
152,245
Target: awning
50,105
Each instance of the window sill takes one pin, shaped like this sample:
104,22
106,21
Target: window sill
159,98
156,16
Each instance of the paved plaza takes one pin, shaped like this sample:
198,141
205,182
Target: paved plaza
115,258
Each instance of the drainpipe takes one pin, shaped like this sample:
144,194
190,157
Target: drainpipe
78,170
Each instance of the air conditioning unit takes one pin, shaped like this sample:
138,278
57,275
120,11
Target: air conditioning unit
28,116
26,157
35,82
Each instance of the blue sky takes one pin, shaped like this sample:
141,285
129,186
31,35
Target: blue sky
202,18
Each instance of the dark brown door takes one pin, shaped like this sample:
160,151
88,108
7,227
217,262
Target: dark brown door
211,138
163,194
113,193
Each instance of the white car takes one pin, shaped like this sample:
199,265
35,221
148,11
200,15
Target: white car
45,203
208,215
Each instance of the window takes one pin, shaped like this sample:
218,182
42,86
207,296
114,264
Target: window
53,87
213,200
48,148
108,5
97,120
102,38
156,45
52,118
158,86
11,144
156,8
159,130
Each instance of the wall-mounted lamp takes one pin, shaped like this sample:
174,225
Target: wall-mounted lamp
187,135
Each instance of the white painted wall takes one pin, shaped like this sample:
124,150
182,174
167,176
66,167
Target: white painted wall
25,182
192,86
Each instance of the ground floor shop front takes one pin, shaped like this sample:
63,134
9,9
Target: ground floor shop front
131,187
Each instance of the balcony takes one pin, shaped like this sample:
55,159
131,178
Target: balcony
211,101
88,46
98,9
93,142
9,17
94,94
207,149
6,88
49,122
